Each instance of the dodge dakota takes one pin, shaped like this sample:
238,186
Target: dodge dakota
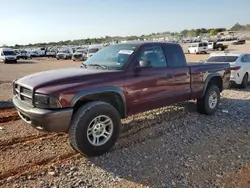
88,102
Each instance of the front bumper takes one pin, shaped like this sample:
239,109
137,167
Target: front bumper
42,119
10,61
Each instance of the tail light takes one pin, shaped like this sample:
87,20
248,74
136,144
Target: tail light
236,68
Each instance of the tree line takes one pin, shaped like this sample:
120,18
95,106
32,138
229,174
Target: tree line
107,39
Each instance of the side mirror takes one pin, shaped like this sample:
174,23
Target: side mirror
142,65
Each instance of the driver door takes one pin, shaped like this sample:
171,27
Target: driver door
153,86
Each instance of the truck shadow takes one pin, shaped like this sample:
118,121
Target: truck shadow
152,151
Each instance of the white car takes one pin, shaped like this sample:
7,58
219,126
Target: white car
64,53
92,50
198,48
79,54
7,55
239,63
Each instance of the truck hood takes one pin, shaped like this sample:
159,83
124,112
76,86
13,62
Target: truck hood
63,76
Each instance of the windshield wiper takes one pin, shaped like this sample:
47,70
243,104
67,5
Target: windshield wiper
98,65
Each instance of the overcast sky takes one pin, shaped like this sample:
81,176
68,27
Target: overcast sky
30,21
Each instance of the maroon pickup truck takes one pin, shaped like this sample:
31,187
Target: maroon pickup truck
89,102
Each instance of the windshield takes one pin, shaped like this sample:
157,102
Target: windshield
9,53
222,59
112,57
93,50
79,51
63,51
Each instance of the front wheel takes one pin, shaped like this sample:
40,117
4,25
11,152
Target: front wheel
95,128
208,104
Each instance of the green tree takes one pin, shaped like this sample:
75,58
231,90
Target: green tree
213,32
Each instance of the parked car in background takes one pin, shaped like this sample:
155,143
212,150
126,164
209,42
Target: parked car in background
34,53
7,55
118,81
23,54
51,53
212,45
79,55
92,50
239,42
198,48
64,53
41,51
239,63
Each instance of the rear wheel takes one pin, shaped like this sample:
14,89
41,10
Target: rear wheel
95,128
244,81
208,104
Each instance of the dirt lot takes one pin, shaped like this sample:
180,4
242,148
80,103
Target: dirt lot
169,147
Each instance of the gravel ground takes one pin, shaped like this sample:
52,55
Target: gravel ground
169,147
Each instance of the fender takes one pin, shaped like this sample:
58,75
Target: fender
212,75
99,90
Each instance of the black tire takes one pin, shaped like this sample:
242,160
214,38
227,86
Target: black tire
244,81
203,106
81,121
57,58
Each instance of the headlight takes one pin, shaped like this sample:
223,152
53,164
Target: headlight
46,101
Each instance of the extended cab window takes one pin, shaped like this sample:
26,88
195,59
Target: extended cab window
174,55
153,55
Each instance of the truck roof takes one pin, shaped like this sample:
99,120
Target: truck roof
139,43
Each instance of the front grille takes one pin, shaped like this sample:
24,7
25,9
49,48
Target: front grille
60,56
77,56
23,93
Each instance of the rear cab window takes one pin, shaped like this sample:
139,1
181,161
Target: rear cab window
174,55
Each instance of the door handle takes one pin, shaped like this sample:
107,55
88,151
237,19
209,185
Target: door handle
169,76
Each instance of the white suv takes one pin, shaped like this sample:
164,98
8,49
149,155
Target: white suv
198,48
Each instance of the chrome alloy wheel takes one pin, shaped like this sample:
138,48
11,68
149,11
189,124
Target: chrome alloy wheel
100,130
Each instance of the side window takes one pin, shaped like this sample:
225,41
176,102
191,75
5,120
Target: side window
174,55
154,56
245,59
200,45
204,44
